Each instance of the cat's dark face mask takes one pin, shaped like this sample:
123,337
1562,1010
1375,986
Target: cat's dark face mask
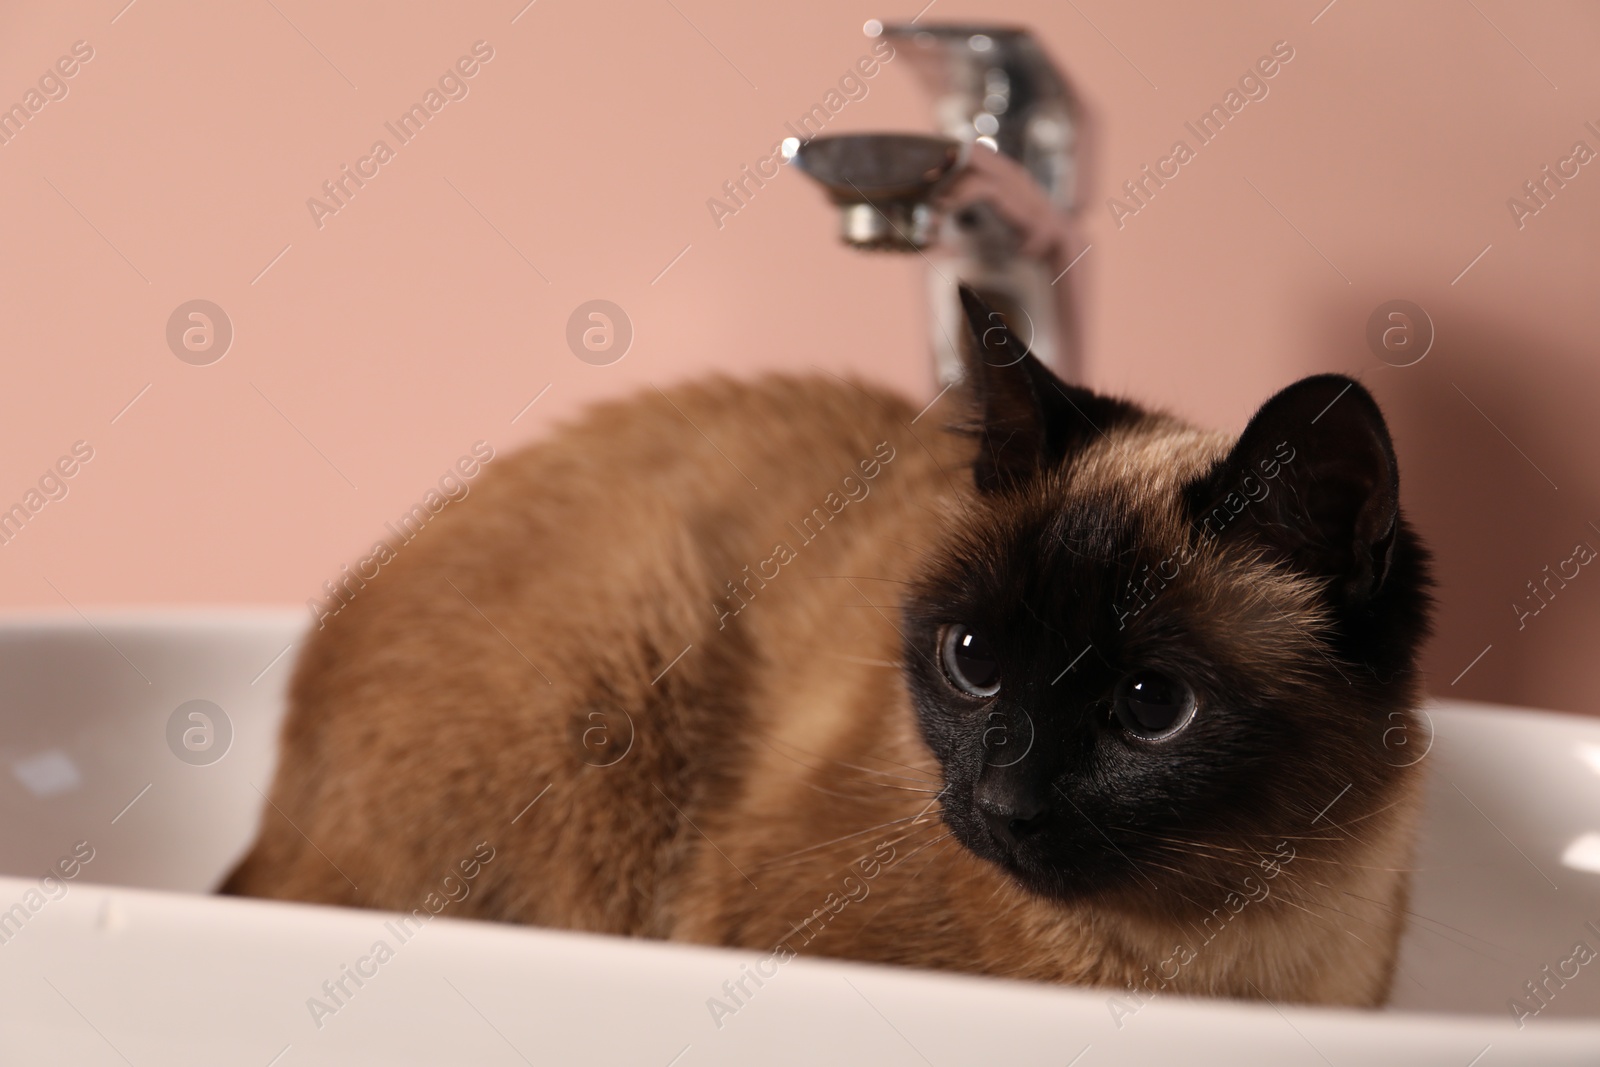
1145,683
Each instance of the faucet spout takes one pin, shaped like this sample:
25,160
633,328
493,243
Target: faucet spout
883,184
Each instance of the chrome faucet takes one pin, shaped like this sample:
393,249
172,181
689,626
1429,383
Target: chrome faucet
993,89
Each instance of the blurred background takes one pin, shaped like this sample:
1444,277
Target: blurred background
348,358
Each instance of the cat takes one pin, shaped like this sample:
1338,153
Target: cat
1034,683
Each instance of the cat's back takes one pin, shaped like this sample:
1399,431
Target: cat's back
569,603
624,503
644,500
710,450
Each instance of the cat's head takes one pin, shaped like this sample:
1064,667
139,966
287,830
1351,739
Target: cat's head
1145,655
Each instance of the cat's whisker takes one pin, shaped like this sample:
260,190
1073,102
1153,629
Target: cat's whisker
800,892
1293,837
805,854
945,836
856,578
1306,906
1261,834
1385,908
1196,876
873,783
882,908
1408,913
1423,918
864,662
816,788
1287,895
901,860
1188,876
1174,840
1283,896
927,777
932,774
819,774
929,862
1257,854
870,784
1285,888
1374,813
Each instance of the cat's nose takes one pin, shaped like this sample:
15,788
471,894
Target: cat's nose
1011,816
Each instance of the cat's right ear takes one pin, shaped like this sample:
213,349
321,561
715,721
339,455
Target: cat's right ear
1025,418
1313,480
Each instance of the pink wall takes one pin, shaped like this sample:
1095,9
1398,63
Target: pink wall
428,311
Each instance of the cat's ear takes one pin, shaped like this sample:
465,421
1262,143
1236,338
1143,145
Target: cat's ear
1025,418
1313,480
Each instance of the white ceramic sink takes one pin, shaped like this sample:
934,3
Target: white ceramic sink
128,962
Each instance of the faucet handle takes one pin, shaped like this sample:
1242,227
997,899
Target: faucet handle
882,182
997,84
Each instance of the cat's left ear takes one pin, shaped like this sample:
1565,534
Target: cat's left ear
1026,419
1314,481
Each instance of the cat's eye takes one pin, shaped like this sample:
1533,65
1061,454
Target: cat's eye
1153,706
968,661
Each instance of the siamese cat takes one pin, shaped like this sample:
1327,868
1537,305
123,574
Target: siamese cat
1036,683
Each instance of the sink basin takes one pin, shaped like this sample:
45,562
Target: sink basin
127,961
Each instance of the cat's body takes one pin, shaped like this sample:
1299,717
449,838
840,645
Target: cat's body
683,628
